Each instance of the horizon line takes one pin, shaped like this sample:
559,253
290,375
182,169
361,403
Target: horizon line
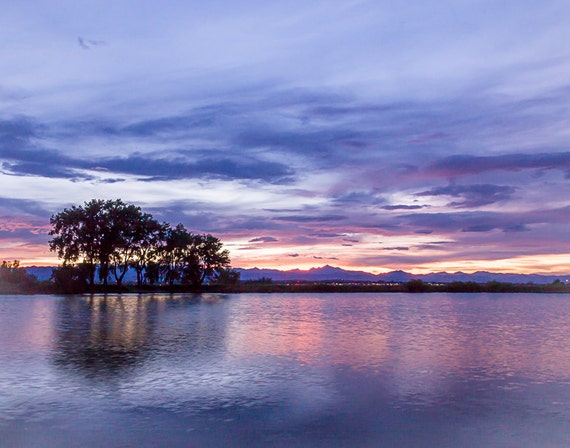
468,272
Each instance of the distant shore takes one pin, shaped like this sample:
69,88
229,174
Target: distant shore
412,286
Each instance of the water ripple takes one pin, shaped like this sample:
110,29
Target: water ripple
285,370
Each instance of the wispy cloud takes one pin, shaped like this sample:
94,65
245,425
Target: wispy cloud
402,207
264,239
472,195
309,218
458,165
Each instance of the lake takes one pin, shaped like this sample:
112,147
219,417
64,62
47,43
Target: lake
285,370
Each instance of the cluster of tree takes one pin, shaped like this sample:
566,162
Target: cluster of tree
15,279
103,239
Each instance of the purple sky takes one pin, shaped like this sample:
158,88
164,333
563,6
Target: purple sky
421,135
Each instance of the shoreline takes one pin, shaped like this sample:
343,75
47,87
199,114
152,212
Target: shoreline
413,286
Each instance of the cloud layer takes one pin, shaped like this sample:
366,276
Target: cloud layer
426,136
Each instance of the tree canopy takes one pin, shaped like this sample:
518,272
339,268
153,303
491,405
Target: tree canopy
104,238
15,279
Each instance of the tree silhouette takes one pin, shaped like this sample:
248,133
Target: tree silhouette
207,259
114,236
191,258
79,234
174,253
15,279
146,248
132,233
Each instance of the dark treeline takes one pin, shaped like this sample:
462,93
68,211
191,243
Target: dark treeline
492,287
100,241
413,286
15,280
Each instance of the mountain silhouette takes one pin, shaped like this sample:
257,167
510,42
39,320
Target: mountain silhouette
331,273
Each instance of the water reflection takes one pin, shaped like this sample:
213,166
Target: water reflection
300,330
112,335
102,334
286,370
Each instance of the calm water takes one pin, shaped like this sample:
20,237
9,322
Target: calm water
329,370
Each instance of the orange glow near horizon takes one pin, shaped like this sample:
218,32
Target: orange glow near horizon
553,264
301,257
29,255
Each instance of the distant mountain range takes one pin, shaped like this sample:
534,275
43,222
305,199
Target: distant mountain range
44,273
331,273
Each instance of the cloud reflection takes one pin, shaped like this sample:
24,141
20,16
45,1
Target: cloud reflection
319,370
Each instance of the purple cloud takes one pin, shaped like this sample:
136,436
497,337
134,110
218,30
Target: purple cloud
458,165
402,207
264,239
309,218
472,195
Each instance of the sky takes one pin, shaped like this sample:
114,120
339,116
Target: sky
373,135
